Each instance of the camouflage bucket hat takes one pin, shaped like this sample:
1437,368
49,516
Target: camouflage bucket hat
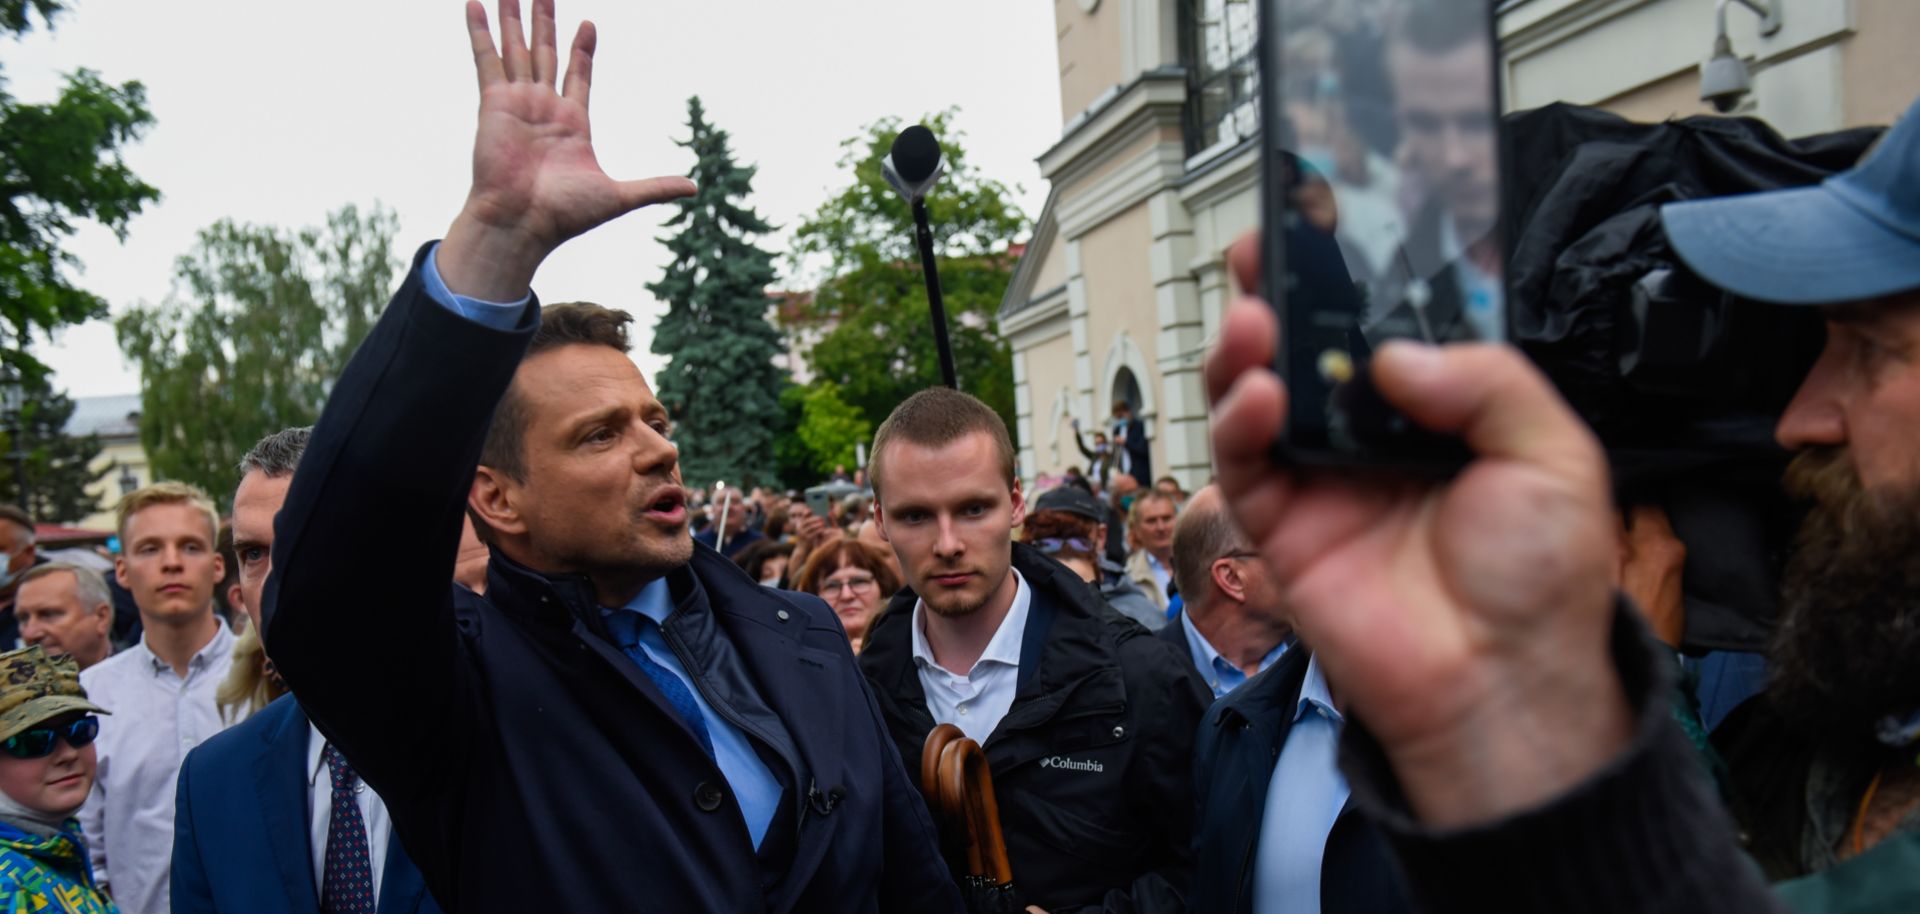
35,688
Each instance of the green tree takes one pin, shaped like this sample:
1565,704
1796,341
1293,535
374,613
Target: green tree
63,165
260,322
880,349
793,460
830,427
58,472
721,384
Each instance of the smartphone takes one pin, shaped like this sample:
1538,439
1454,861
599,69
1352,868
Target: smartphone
1381,209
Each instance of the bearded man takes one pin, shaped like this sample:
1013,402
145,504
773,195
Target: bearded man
1823,764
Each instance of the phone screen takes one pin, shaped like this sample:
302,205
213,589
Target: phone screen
1382,205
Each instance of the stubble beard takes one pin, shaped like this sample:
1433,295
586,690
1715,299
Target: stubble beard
1845,653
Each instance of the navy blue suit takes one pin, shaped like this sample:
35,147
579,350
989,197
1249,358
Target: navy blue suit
1234,755
240,839
527,761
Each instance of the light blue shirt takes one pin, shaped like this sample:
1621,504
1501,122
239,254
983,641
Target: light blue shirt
1303,800
754,785
497,315
1220,673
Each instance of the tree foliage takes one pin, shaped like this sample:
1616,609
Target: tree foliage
721,384
58,465
880,348
830,427
259,323
63,165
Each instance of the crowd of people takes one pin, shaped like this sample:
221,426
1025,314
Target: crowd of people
583,687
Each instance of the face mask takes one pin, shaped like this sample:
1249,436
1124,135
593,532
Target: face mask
7,574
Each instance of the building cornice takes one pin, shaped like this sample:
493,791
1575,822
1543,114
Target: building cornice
1047,307
1154,99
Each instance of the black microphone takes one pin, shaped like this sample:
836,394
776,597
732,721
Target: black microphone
912,166
914,163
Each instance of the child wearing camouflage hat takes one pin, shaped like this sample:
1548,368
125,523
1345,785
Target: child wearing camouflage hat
47,729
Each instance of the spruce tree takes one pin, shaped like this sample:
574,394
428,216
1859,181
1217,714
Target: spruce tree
721,383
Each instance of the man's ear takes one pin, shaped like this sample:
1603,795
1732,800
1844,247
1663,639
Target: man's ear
493,497
880,521
120,569
1227,580
1019,506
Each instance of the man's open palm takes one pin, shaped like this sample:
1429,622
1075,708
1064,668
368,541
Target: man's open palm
536,182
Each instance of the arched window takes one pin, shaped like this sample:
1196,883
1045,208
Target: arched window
1127,387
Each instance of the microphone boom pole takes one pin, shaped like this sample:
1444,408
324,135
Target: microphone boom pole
924,236
912,166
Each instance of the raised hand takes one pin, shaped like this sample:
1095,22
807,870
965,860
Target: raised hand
1465,623
536,182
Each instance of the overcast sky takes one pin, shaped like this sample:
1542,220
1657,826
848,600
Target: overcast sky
275,112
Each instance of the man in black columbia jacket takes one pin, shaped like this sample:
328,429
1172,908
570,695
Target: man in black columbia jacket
1087,720
623,722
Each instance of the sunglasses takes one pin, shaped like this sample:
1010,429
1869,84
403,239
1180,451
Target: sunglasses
38,742
1051,545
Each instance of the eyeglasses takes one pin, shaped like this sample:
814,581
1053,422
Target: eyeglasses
38,742
850,585
1053,544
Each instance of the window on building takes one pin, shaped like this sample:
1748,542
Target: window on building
1127,387
1218,48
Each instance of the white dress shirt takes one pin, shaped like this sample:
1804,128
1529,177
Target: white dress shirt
157,718
373,814
976,700
1303,800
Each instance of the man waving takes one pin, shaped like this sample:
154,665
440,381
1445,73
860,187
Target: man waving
625,721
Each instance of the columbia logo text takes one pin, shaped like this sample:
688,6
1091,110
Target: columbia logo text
1059,761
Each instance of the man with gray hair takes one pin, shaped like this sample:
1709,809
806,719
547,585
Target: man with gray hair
66,609
1231,625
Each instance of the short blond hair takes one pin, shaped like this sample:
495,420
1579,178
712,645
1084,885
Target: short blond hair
166,493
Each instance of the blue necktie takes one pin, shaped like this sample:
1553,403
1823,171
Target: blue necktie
625,626
348,884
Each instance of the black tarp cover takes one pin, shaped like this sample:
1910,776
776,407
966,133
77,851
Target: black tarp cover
1684,386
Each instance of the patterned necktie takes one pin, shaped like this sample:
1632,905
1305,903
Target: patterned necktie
625,625
348,886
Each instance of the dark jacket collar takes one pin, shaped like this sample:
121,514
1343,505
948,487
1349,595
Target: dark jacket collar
1067,644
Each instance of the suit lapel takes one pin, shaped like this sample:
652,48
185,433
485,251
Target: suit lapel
280,779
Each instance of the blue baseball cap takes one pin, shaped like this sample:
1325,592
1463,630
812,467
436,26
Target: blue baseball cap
1854,236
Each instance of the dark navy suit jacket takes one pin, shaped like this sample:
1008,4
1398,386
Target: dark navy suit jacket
241,844
526,760
1234,754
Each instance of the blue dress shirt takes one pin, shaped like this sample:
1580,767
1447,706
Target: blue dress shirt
1303,800
1220,673
754,785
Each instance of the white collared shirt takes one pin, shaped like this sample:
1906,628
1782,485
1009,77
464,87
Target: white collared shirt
157,718
976,700
373,814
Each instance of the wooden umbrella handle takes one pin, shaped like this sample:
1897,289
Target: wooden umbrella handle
937,740
953,799
966,788
983,814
